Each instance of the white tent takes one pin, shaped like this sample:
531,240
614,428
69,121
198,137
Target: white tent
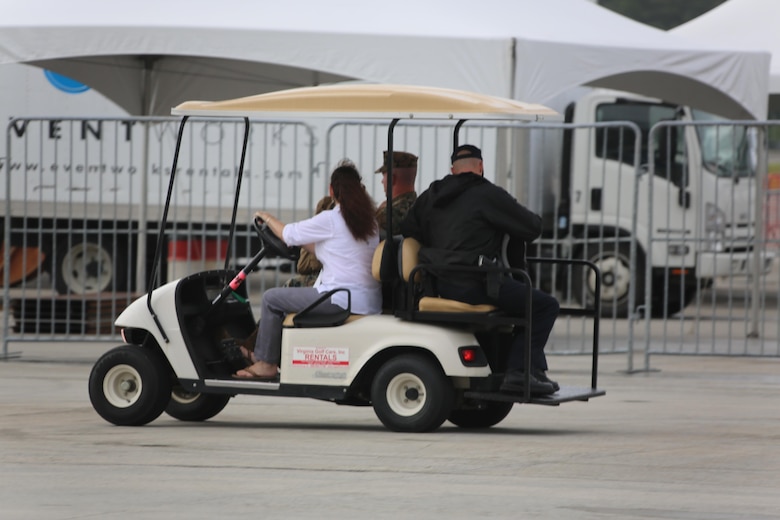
742,24
148,57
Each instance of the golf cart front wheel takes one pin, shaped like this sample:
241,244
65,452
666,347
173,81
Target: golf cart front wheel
130,385
410,393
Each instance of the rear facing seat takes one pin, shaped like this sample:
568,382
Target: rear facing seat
409,261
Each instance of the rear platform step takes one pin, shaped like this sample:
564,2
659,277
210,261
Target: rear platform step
564,395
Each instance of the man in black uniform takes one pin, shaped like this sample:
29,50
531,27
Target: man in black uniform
464,217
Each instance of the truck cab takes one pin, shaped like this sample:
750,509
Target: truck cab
679,181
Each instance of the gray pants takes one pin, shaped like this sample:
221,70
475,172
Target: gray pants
277,303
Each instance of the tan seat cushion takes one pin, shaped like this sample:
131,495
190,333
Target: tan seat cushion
410,249
288,320
376,262
435,304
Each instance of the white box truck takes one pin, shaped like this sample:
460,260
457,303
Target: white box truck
690,205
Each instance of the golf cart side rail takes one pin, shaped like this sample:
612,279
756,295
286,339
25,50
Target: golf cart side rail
593,312
154,277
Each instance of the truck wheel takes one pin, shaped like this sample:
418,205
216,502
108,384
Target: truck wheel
194,406
130,385
90,266
410,393
491,414
616,278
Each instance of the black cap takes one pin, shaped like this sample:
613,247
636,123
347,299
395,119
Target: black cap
466,151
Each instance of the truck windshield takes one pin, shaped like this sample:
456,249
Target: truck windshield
726,151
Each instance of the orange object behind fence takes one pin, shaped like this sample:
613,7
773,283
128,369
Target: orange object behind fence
186,256
23,262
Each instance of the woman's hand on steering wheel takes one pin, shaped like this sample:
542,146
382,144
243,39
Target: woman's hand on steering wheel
269,238
263,216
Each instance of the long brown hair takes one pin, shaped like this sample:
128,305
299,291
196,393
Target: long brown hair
357,207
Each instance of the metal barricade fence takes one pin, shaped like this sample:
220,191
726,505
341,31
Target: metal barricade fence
714,291
83,200
82,204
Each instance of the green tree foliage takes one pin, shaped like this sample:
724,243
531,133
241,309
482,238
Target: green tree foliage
663,14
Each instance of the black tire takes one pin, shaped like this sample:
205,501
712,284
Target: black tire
410,393
130,385
491,414
668,301
195,406
614,262
90,264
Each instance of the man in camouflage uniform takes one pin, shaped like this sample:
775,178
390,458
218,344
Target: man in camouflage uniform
404,176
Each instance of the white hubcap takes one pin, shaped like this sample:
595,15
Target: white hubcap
87,268
406,394
615,278
122,386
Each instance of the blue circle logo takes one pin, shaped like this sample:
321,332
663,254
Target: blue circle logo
64,83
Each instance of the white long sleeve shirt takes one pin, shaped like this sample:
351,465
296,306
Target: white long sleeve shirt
346,262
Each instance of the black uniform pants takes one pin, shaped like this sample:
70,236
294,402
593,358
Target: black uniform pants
511,299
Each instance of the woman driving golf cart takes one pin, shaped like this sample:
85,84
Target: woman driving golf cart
343,239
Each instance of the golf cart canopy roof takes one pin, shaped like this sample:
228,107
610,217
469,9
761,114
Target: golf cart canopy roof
372,101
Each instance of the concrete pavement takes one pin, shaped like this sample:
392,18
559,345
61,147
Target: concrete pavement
696,440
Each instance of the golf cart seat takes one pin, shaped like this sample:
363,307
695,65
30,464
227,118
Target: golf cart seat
384,268
322,321
409,263
307,318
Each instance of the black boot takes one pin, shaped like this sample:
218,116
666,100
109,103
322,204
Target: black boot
541,375
514,383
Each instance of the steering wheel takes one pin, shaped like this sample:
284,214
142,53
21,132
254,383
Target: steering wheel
274,244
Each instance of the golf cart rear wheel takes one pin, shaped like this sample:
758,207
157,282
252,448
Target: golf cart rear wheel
194,406
130,385
410,393
491,414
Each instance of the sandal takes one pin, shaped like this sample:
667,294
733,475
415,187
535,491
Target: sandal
248,355
249,373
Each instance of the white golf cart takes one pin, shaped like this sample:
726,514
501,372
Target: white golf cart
418,363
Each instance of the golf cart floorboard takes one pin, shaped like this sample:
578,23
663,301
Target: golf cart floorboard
259,387
564,395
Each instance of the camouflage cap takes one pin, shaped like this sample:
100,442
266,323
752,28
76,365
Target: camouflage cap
400,160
